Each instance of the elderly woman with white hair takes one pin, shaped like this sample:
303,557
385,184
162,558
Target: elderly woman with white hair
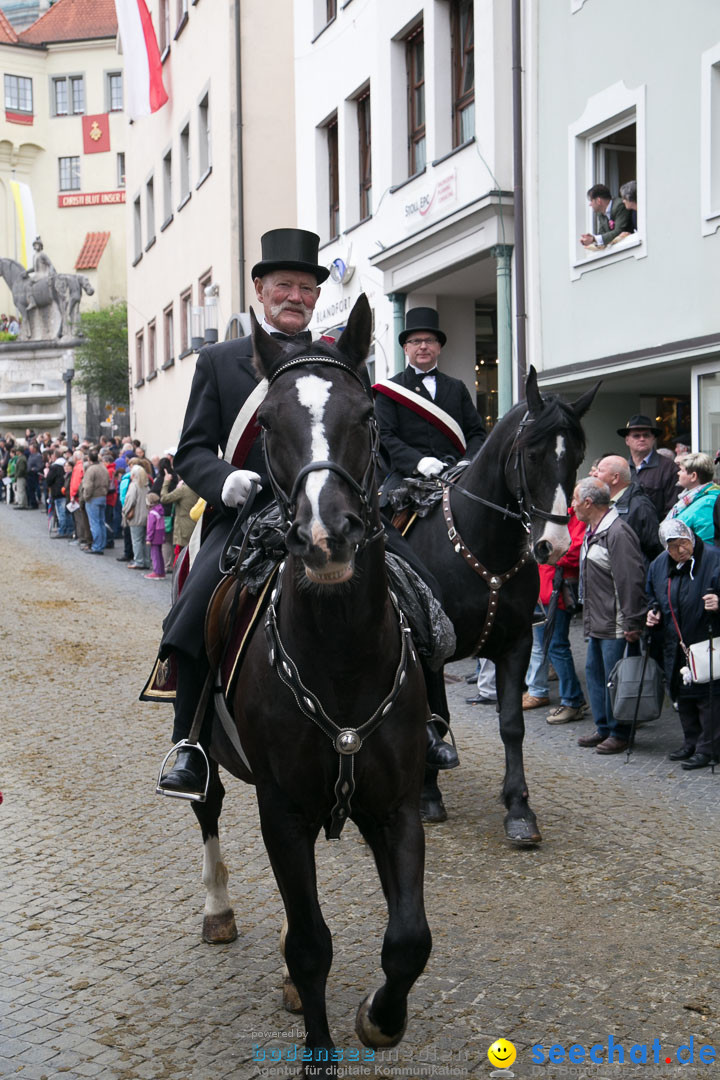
135,513
683,586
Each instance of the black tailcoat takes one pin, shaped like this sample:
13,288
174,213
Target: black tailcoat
407,437
224,379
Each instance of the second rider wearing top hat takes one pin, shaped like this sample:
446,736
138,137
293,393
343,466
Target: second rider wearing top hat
427,419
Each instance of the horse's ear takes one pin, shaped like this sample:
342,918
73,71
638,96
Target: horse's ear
267,352
533,396
354,341
583,403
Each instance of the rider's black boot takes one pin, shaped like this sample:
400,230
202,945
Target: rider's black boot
439,754
188,774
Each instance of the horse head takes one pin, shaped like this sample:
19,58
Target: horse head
319,440
548,449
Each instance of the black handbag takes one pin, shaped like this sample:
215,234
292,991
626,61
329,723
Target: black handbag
636,682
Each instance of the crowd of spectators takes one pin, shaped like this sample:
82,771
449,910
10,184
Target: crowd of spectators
645,557
97,496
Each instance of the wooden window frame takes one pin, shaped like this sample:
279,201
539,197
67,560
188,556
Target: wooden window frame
365,154
333,154
414,46
463,57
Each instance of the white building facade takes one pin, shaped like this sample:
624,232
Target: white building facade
208,173
404,169
607,107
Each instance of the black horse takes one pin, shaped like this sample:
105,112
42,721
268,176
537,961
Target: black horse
483,551
330,704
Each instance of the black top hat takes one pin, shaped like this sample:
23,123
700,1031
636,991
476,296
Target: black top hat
421,318
639,421
290,249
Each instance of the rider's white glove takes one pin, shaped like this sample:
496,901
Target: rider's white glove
237,487
430,466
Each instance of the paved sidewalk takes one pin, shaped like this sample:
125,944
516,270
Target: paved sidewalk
608,930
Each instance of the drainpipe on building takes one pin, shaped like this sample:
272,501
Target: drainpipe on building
518,200
239,138
398,302
503,274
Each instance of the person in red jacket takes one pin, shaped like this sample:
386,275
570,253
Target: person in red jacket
572,701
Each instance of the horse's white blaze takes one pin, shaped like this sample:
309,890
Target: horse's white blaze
559,446
215,878
557,536
313,393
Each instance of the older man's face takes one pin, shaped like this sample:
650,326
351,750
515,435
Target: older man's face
640,440
288,298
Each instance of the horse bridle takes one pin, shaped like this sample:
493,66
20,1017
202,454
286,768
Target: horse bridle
364,490
520,489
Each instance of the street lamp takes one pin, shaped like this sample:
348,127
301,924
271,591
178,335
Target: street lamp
68,377
211,314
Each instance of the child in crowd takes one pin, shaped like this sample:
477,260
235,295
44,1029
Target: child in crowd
155,536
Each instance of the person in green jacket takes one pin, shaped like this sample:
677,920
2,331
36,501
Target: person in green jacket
695,506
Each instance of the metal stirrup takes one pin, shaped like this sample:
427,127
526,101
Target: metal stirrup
191,796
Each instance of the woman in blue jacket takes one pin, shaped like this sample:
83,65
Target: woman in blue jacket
696,504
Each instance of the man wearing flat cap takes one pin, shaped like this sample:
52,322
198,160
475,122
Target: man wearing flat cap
224,398
427,419
657,474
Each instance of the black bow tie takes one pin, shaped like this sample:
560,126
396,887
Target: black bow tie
303,338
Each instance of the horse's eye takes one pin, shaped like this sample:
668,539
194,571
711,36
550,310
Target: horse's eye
532,456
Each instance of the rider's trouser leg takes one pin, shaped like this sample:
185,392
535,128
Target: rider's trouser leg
191,675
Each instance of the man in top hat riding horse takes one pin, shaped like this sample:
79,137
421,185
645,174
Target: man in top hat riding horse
223,401
224,398
427,419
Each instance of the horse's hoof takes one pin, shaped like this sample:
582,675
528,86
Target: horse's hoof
291,998
522,831
219,929
369,1033
432,810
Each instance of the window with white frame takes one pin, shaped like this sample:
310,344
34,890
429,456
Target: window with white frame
164,26
150,210
185,321
462,14
69,173
204,145
137,229
121,170
114,90
168,335
607,147
140,358
167,187
68,95
710,140
151,351
18,94
184,163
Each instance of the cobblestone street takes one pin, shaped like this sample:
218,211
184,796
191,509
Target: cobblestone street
608,930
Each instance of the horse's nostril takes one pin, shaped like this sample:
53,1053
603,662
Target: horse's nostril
542,551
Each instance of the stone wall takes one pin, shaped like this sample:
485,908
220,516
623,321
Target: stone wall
32,390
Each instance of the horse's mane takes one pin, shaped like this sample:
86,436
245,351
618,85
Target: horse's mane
556,418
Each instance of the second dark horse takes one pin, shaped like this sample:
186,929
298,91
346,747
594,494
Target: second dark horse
484,555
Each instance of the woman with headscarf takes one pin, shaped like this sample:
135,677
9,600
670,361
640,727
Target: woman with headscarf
683,586
135,514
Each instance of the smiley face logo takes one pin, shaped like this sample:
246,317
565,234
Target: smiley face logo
501,1054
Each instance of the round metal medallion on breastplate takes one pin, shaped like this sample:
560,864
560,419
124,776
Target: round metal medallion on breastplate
495,582
348,742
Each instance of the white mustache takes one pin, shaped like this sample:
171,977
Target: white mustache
289,305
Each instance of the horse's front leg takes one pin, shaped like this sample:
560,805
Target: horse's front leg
307,945
218,918
399,850
520,822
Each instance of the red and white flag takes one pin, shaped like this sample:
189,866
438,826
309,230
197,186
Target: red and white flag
144,90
